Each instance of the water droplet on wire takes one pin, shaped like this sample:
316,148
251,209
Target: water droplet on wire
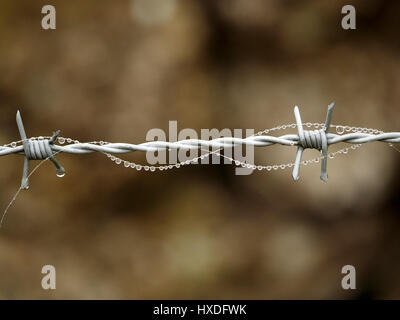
339,129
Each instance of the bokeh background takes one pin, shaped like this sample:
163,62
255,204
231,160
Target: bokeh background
112,70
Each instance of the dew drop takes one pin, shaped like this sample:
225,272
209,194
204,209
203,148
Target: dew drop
339,129
61,140
60,175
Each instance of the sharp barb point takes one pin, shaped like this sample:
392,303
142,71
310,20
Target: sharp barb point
324,178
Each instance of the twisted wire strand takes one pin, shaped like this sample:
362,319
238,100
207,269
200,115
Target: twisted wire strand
42,148
190,144
13,147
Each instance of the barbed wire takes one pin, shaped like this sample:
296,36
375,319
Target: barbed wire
40,148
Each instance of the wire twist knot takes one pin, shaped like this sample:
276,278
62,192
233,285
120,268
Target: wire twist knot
36,150
312,139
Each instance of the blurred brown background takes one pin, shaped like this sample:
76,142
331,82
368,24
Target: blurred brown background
112,70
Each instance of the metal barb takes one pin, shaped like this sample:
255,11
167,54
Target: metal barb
311,139
22,133
42,155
